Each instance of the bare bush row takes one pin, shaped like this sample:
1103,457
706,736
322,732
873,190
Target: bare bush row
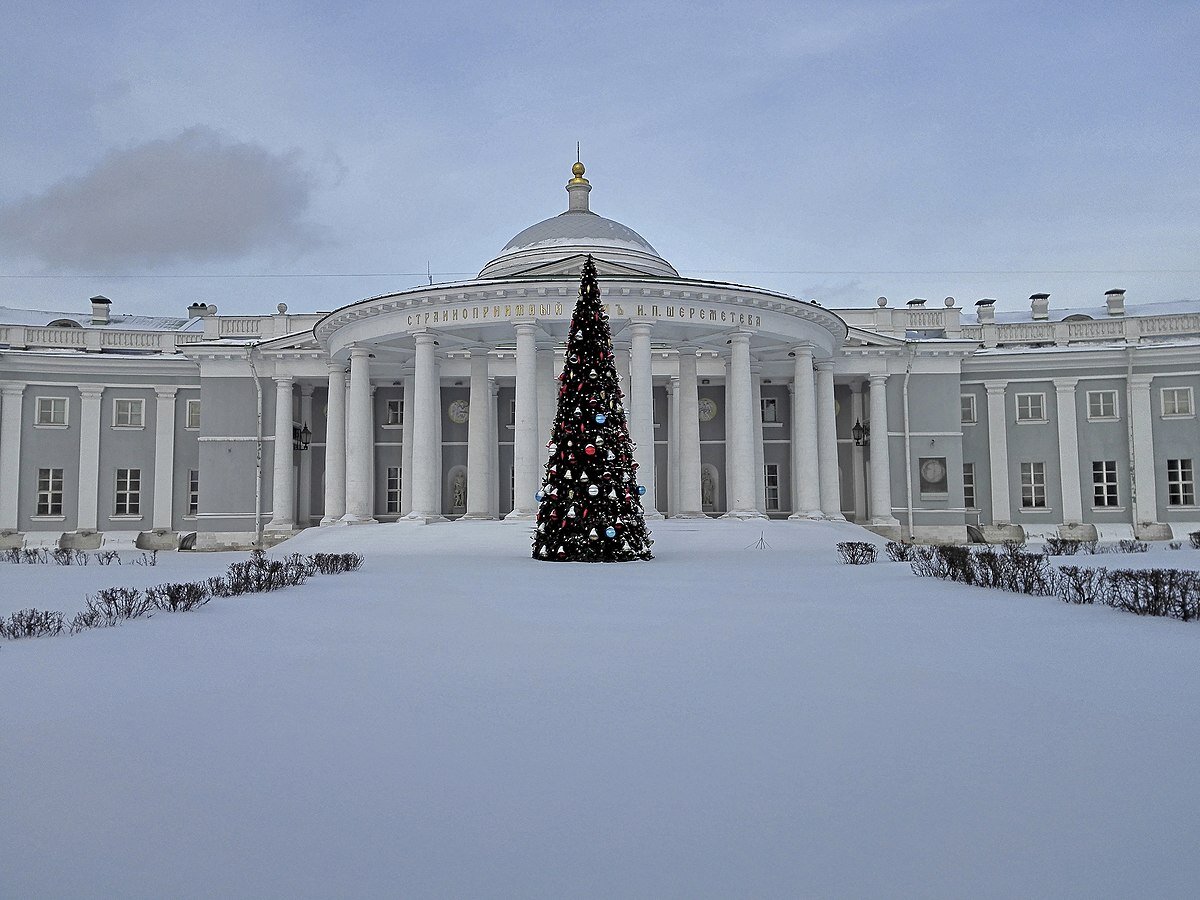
111,606
66,557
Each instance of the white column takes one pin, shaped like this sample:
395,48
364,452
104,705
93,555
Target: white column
526,447
426,466
858,457
494,441
360,440
1068,451
479,440
283,487
739,442
1145,492
881,467
689,504
621,363
89,457
673,446
11,402
335,445
164,458
406,442
547,394
304,501
806,474
827,448
760,471
998,453
641,409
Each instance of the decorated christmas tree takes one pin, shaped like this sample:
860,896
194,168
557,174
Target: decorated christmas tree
590,505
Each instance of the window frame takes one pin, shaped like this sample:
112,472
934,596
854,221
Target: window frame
771,403
46,502
127,500
1176,392
193,493
771,487
970,499
391,497
1101,416
135,403
51,400
1030,419
1105,485
190,404
1033,488
974,407
1181,483
395,404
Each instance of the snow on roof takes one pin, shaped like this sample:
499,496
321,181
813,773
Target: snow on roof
10,315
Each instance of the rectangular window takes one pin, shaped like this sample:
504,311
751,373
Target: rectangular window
770,410
969,485
394,414
1181,483
512,411
192,415
193,492
50,492
1176,401
51,411
128,413
966,405
1031,407
1033,485
1102,405
1104,483
127,500
771,479
393,490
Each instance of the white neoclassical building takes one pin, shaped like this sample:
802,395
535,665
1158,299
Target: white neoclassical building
435,404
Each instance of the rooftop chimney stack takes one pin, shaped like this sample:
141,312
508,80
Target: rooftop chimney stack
100,308
1040,305
985,311
1115,301
199,310
915,302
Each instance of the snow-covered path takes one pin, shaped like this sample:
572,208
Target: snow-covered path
459,720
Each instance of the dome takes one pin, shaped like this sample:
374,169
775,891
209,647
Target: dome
574,232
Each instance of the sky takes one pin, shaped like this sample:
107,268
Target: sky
248,154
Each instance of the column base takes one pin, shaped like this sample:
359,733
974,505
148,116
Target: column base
349,519
416,518
1152,531
744,514
477,517
883,522
652,514
1078,532
330,520
811,515
85,539
521,515
998,534
281,526
834,517
11,540
890,530
689,515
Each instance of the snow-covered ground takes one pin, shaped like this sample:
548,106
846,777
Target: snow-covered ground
458,720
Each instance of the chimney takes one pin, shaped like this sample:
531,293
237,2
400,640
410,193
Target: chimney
916,302
1040,304
985,311
1115,301
100,306
199,310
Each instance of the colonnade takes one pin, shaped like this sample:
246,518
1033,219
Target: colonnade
816,489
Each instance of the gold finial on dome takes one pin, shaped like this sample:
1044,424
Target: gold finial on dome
577,170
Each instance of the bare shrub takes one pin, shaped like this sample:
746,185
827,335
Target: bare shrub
856,553
1176,545
179,597
898,551
108,557
28,623
11,555
1081,585
337,563
1128,546
1062,546
1194,539
146,559
35,556
121,603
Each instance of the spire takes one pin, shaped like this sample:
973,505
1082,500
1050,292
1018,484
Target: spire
578,187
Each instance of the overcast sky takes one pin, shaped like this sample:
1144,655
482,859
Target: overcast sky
836,151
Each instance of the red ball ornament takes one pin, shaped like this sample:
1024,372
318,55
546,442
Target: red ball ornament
589,450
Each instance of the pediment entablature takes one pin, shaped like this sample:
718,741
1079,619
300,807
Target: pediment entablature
573,265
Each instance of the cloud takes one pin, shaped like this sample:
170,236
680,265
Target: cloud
196,197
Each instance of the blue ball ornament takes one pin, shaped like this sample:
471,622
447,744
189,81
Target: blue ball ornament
539,496
610,532
600,417
641,489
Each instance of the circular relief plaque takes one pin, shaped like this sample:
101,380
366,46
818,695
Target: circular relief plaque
708,409
933,471
459,411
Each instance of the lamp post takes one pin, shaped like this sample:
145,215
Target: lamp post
861,433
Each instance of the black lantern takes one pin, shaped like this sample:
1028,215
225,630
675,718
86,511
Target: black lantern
305,437
861,433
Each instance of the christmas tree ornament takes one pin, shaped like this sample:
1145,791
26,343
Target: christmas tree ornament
590,450
593,490
610,532
592,535
601,418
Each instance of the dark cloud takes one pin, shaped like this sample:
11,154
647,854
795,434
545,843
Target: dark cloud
196,197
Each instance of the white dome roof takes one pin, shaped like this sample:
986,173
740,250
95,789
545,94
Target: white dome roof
577,231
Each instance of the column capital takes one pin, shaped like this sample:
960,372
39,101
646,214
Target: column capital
1065,385
12,388
525,326
823,365
360,352
333,367
802,350
877,378
740,337
995,387
687,350
90,392
284,380
165,392
640,327
306,390
1141,382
